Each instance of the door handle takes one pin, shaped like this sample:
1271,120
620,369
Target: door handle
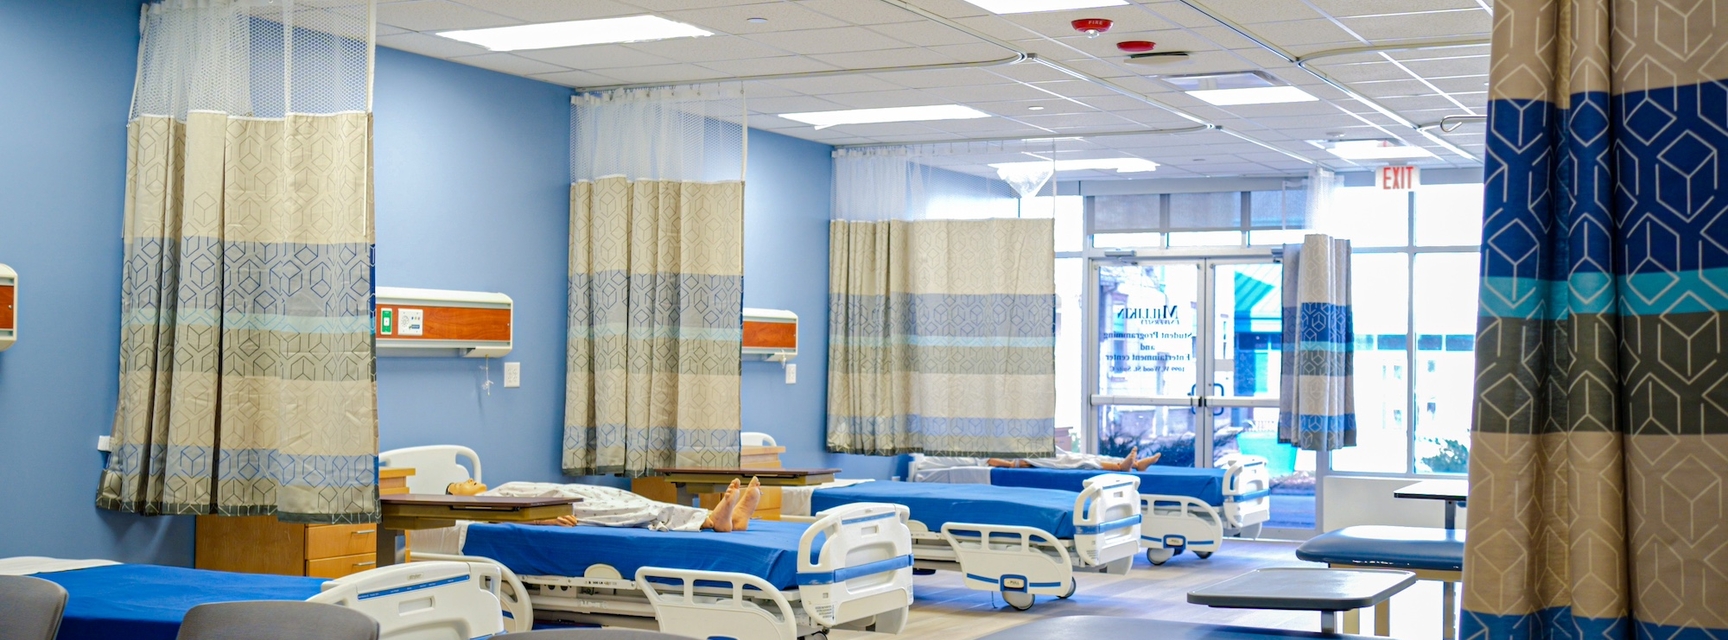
1220,387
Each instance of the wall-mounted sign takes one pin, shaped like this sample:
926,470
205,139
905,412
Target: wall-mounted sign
1398,178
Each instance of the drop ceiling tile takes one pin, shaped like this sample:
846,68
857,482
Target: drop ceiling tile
836,84
789,104
989,93
1471,51
950,8
599,56
429,45
974,52
862,13
939,78
1125,18
510,63
675,5
668,73
387,30
1047,106
925,34
1363,72
577,79
1454,24
707,49
767,66
906,57
1393,88
841,40
1448,67
438,15
1251,13
1064,121
1302,33
765,90
881,99
1031,72
780,16
1343,8
997,27
1074,88
553,10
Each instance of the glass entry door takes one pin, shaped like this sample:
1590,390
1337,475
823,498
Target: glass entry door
1186,367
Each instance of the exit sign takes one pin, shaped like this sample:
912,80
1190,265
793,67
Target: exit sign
1398,178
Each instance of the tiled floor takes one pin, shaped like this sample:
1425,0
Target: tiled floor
946,610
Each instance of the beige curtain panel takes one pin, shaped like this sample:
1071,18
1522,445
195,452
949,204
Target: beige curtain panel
941,337
246,354
656,326
1599,452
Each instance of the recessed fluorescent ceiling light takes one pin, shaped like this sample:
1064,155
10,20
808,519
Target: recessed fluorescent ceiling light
576,33
1373,150
1237,88
1031,6
1258,95
1119,165
825,119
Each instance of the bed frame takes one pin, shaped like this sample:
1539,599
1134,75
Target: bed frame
861,579
1022,563
1173,524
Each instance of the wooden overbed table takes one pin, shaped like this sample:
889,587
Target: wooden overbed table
412,511
691,481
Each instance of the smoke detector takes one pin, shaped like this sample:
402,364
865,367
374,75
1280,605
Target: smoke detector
1092,26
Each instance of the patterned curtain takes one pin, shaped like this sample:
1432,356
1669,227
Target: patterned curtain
941,337
656,284
1317,397
246,354
1599,456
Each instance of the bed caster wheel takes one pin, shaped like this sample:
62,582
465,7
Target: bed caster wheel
1020,600
917,571
816,636
1159,556
1203,554
1072,585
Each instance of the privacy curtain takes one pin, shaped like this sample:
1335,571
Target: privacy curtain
941,331
246,354
656,281
1317,398
1599,455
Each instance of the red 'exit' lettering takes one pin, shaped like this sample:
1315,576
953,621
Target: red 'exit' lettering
1397,178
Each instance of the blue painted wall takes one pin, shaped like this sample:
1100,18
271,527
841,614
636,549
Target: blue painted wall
787,199
67,68
473,189
472,193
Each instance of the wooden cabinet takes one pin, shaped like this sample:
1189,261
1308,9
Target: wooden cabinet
262,544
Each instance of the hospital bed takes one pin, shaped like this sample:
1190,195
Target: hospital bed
109,600
1021,543
1183,508
778,581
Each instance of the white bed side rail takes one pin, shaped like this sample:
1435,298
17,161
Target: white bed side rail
1179,522
863,567
682,610
1010,558
512,595
1247,490
1107,519
423,600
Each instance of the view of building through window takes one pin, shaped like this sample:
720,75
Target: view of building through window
1414,284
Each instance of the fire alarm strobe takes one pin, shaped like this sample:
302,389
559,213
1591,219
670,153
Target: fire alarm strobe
1135,46
1091,26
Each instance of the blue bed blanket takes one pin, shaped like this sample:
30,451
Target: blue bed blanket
147,602
936,504
768,550
1205,485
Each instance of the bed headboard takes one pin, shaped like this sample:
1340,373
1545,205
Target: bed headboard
435,466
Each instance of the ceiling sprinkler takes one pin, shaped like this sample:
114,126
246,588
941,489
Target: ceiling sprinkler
1091,26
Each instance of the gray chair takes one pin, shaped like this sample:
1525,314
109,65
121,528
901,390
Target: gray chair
276,620
33,607
589,634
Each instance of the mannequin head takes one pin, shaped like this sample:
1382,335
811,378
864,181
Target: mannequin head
464,488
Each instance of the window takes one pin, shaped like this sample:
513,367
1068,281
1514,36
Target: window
1414,286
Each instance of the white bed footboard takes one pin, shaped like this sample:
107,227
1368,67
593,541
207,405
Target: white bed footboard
863,568
1173,524
1107,519
1010,559
423,600
512,595
686,610
1247,491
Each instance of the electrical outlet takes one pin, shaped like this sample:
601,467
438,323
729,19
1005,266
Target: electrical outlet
791,373
512,375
